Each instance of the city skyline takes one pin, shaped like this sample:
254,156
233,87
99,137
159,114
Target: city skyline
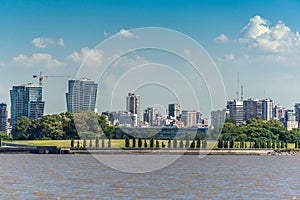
261,44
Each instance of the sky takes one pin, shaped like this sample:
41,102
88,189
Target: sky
258,39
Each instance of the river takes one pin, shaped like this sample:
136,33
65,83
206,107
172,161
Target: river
29,176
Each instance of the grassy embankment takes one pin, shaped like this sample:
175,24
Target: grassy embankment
115,143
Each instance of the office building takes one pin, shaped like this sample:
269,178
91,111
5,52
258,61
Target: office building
174,110
217,118
279,113
297,112
290,120
252,108
236,110
3,118
26,100
189,118
133,104
150,116
81,95
267,109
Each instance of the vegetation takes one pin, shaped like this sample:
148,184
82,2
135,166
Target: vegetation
257,133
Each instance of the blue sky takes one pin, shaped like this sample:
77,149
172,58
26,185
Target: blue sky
258,39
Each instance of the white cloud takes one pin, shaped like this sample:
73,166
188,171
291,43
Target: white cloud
126,34
37,60
90,56
47,42
257,34
221,38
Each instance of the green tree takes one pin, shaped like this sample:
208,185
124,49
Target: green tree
84,142
169,144
145,143
181,144
127,142
97,142
220,144
157,144
109,143
140,143
193,144
102,141
187,141
198,143
72,143
205,144
91,143
151,143
133,142
19,132
175,143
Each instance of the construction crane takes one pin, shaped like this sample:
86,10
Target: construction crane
41,77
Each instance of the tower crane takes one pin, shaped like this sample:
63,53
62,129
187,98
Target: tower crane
41,77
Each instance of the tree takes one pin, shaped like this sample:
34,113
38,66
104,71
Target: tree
181,144
102,141
198,143
109,142
97,142
140,143
151,143
205,144
175,143
72,143
157,144
133,142
220,144
163,145
91,143
193,144
78,144
19,132
127,142
187,141
169,144
145,143
84,142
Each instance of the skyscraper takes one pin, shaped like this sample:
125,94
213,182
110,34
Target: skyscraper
149,115
252,108
81,95
174,110
26,100
189,118
236,110
267,109
133,104
3,118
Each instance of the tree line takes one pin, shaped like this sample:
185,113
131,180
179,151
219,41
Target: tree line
257,133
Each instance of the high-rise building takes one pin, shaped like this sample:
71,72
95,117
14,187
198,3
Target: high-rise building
3,118
189,118
26,100
150,115
81,95
236,110
297,112
252,108
279,113
290,120
133,104
267,109
174,110
217,118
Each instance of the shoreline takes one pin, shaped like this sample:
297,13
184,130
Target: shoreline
166,151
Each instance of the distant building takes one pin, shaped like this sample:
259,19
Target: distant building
279,113
3,118
133,104
174,110
290,120
217,117
252,108
81,95
122,118
26,100
267,109
189,118
150,115
297,112
236,110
